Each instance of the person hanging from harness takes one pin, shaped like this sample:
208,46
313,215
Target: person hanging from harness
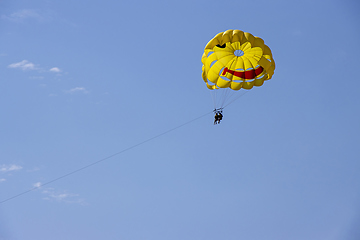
218,116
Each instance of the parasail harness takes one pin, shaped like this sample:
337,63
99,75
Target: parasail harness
218,115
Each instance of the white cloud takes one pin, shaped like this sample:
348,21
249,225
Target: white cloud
22,15
55,69
9,168
37,185
2,180
50,194
26,65
23,65
61,196
77,90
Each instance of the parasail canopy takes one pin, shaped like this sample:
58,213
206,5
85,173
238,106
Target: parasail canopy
235,59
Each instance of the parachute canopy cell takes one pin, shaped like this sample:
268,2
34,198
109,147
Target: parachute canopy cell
235,59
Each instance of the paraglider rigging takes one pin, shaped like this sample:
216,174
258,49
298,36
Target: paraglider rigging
235,60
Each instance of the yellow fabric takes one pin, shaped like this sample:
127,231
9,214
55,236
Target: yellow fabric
229,54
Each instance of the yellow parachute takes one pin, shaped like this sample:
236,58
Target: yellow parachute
235,59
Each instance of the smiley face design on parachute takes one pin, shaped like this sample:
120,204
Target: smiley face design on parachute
235,59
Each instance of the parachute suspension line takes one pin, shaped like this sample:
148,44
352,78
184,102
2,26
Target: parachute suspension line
240,95
224,94
228,93
221,96
103,159
213,96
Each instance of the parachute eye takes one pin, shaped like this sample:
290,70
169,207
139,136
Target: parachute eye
221,46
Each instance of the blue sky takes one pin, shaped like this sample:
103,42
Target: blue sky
83,80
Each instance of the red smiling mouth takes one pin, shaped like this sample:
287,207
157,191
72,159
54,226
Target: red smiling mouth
251,74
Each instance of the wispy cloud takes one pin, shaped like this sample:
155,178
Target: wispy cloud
10,168
23,14
23,65
37,185
55,70
26,65
7,169
59,196
62,197
77,90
